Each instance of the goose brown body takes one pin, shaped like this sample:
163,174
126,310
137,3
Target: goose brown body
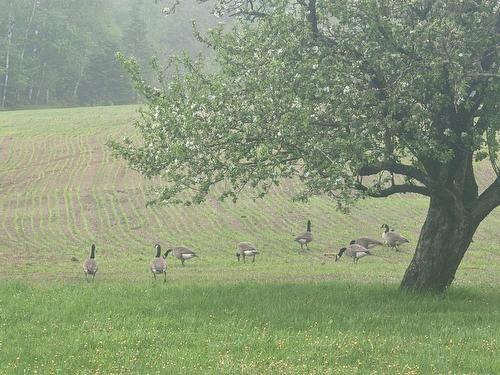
368,242
158,264
354,251
392,239
305,238
90,264
245,249
181,252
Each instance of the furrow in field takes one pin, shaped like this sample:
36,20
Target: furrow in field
136,211
6,144
157,225
8,212
62,218
120,218
17,167
54,222
110,230
99,222
45,156
45,228
73,192
48,158
85,177
83,215
153,219
21,222
125,210
59,166
118,196
93,163
78,162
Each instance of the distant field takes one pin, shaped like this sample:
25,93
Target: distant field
289,312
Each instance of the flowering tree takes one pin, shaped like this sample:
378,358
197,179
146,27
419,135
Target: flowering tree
358,98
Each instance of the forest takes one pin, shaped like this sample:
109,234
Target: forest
63,52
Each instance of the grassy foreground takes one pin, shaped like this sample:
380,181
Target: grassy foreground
248,327
291,312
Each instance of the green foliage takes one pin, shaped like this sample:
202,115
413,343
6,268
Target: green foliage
63,52
352,89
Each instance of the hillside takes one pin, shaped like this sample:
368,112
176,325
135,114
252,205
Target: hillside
290,312
61,190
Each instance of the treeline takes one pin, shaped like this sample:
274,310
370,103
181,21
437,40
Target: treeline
62,52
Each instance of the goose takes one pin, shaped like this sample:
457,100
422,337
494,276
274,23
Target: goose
181,252
90,264
391,238
159,264
246,249
355,251
306,237
367,242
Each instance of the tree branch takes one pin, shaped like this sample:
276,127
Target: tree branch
395,189
312,15
487,202
394,167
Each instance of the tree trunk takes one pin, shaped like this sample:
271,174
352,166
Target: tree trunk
42,77
77,84
25,42
7,57
444,239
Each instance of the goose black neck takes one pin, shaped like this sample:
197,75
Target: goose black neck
341,251
158,251
308,225
92,252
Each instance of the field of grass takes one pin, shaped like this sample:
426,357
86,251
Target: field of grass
290,312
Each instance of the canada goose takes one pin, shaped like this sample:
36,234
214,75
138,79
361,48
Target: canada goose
158,264
90,264
306,237
367,242
355,251
246,249
181,252
391,238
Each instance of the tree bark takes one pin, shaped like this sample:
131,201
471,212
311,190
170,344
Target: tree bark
444,239
7,57
25,41
77,84
42,77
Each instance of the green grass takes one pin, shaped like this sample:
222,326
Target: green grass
246,327
289,312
